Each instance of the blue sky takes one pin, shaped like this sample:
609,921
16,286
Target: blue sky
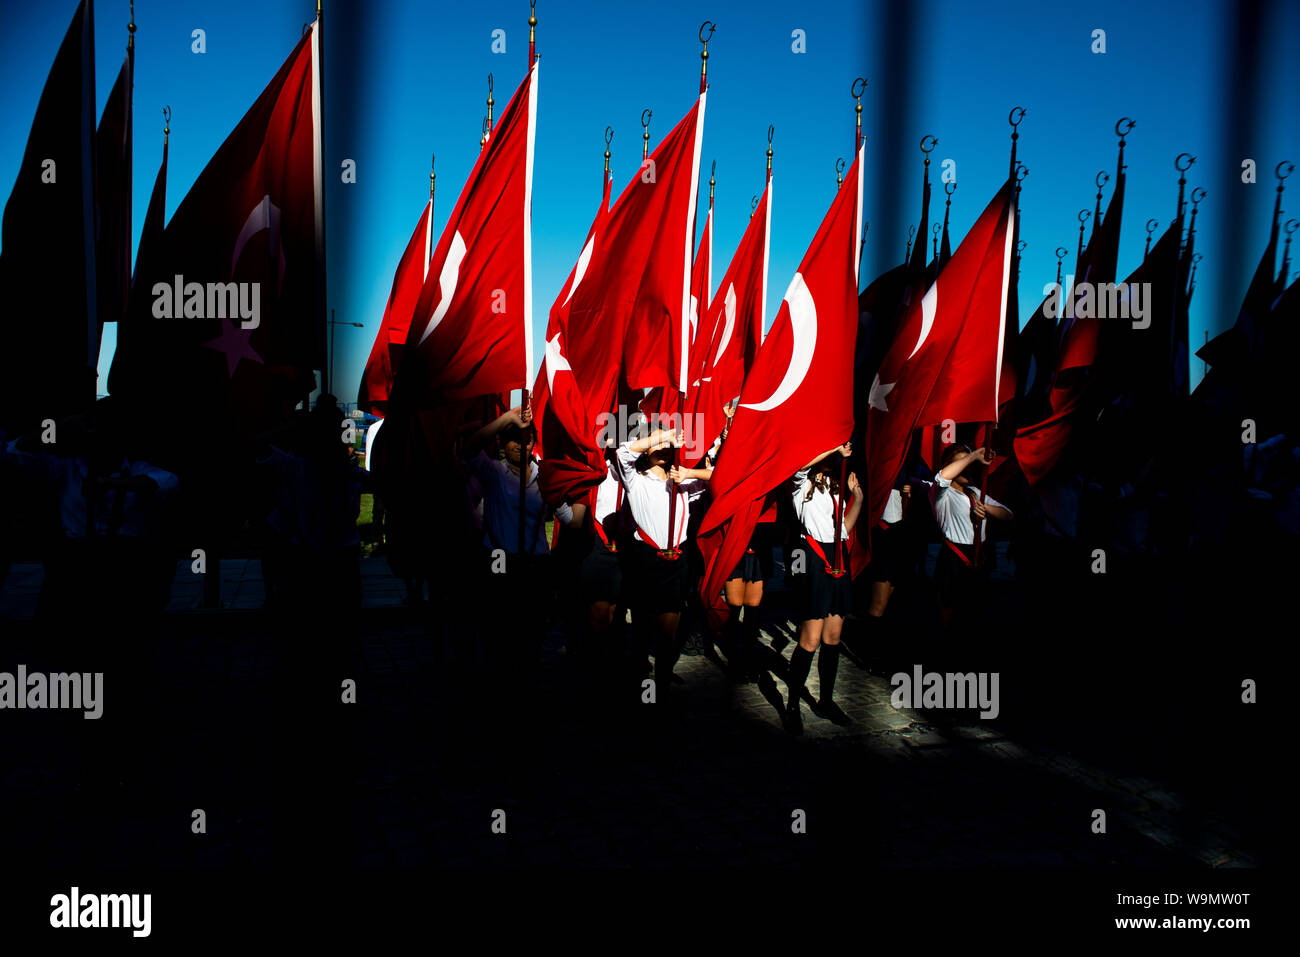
406,78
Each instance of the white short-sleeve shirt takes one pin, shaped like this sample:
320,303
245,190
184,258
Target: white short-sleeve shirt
647,499
952,510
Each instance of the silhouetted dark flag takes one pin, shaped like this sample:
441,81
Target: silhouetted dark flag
225,315
113,196
47,263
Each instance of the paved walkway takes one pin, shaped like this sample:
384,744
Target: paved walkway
584,775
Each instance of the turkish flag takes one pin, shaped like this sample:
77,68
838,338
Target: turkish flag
651,231
634,303
1081,334
47,256
797,400
572,460
946,360
251,219
386,353
728,332
470,334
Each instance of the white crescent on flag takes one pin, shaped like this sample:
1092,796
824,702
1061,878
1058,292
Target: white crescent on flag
803,324
928,309
580,270
729,312
447,282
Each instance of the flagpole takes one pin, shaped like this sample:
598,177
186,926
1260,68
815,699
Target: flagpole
525,464
837,512
1018,173
318,69
609,138
679,397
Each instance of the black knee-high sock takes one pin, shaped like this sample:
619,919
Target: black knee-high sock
828,664
732,634
749,636
800,662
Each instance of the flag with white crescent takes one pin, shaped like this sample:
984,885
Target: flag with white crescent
470,334
797,400
946,358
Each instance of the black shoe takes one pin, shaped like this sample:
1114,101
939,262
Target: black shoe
793,719
831,712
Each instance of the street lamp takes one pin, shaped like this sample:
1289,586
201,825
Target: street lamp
354,325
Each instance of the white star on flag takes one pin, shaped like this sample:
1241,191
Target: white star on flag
878,392
555,360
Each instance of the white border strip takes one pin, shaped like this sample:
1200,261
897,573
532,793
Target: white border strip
528,225
767,245
684,320
1006,283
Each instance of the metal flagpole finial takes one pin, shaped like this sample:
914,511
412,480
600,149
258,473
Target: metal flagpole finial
130,29
770,130
490,102
704,53
1281,171
1123,127
1061,253
1182,176
1198,194
167,123
1289,228
532,32
1152,226
482,142
433,157
1101,180
1015,118
712,180
857,92
609,138
839,172
1196,260
1083,219
646,116
935,230
911,231
753,205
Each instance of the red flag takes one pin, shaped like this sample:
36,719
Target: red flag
635,300
229,315
385,354
727,332
471,331
946,361
47,365
1040,446
702,277
797,400
572,460
653,224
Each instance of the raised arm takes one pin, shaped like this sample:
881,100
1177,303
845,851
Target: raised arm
517,416
958,465
845,450
656,440
855,506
